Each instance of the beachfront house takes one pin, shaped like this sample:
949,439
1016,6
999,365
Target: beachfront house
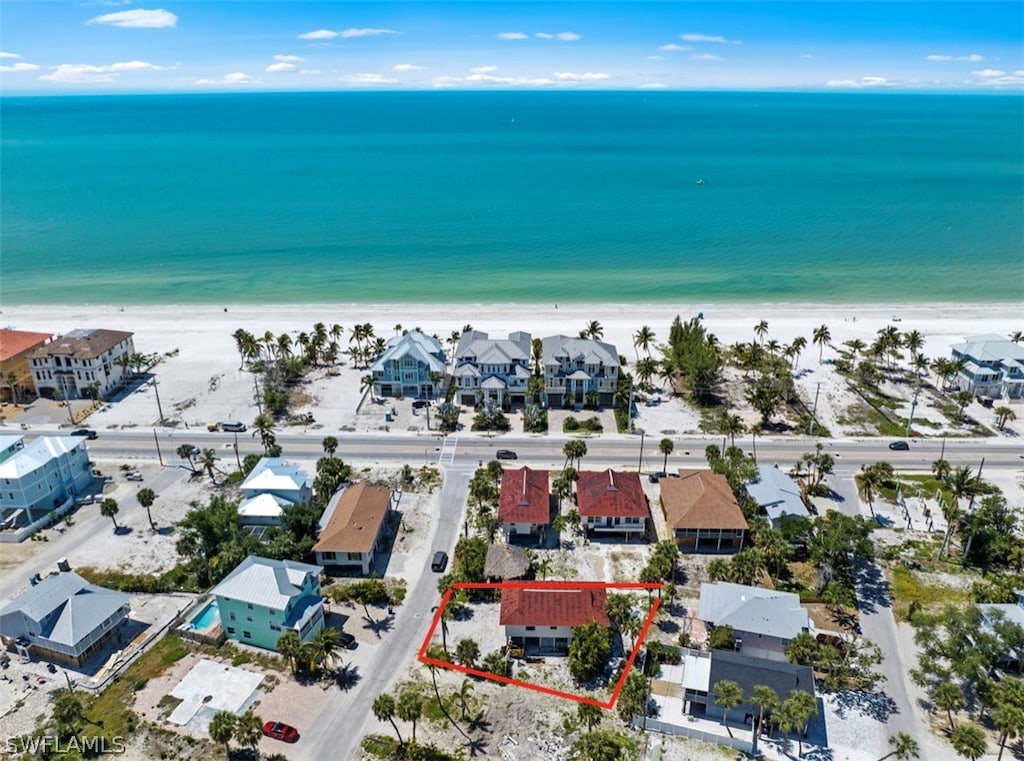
15,372
88,362
269,488
777,495
63,618
41,477
702,512
703,670
579,371
412,365
993,366
263,598
543,619
612,502
764,621
352,529
524,506
492,368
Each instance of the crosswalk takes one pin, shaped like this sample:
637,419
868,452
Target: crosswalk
448,449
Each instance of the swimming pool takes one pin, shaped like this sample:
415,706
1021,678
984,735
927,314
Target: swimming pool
207,617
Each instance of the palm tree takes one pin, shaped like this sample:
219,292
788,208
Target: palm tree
961,483
941,469
728,693
108,509
289,646
324,647
800,706
222,729
146,498
463,695
1017,336
646,369
384,710
593,331
589,715
962,399
798,345
366,385
731,426
209,460
870,481
330,445
249,730
904,747
447,614
642,339
67,709
761,330
1009,720
574,449
263,426
12,383
949,697
765,700
187,452
821,337
1003,415
467,651
773,347
666,447
409,708
969,741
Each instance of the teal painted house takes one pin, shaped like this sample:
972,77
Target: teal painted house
262,599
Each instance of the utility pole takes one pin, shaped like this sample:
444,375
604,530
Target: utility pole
640,462
158,453
977,481
943,452
913,406
259,402
237,458
67,398
159,409
814,411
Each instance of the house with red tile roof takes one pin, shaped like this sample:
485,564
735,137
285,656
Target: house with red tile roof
15,346
612,501
544,618
524,508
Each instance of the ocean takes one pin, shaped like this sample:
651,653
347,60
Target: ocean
479,197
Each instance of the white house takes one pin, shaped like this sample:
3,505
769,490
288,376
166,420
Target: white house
495,368
578,367
612,502
763,620
353,527
777,494
80,360
42,476
545,617
272,486
993,366
63,618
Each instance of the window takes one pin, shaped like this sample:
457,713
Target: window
355,556
249,619
553,628
231,615
249,605
275,628
531,628
247,635
329,555
231,630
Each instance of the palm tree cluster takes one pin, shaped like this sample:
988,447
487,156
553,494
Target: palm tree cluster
367,345
792,714
692,359
305,658
246,730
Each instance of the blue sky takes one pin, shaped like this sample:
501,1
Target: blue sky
133,46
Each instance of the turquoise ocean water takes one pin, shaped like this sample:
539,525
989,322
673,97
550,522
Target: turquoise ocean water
511,197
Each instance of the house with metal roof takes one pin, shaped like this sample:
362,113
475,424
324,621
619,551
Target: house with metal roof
612,502
763,620
993,366
270,487
492,368
63,618
411,365
577,369
76,362
353,528
524,505
41,477
777,494
702,512
263,598
994,614
543,618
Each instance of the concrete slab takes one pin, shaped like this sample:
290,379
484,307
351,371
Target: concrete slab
210,687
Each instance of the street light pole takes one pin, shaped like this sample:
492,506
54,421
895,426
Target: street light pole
640,462
159,456
913,406
159,408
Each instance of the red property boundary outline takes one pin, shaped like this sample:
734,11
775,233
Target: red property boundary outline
570,585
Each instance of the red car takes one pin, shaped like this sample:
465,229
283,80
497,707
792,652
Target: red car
279,731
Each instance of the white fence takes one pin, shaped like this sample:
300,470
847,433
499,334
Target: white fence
654,725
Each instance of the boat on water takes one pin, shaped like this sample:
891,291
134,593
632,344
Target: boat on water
702,181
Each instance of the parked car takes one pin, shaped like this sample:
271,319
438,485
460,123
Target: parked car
279,731
89,433
348,641
901,446
233,426
655,477
506,454
440,561
134,476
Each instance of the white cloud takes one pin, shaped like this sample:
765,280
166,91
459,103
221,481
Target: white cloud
407,67
275,67
561,36
319,34
862,83
309,71
674,48
288,58
513,81
586,76
972,58
4,54
368,79
705,57
81,72
139,18
806,55
511,36
716,38
366,32
653,86
483,69
20,66
989,73
997,78
235,78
